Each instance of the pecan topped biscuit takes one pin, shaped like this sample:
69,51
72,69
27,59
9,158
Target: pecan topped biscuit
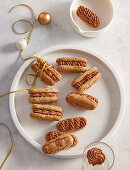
49,74
58,144
71,64
53,134
86,80
46,112
72,124
88,16
43,95
82,101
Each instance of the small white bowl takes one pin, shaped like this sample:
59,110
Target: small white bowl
102,8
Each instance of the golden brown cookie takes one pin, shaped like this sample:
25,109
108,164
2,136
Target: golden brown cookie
49,74
46,112
88,16
86,80
43,95
82,101
53,134
72,124
58,144
71,64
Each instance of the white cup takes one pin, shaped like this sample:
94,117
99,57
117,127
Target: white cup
109,157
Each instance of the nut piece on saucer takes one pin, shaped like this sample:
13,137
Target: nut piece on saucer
86,80
88,16
82,101
46,112
43,95
53,134
71,64
49,74
58,144
72,124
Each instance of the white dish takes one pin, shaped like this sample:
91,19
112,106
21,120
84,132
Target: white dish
104,10
102,122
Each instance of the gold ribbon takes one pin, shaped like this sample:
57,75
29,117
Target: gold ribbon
24,20
13,92
35,75
11,139
45,66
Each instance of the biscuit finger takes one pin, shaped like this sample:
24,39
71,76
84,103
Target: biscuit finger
88,16
49,74
72,124
53,134
58,144
46,112
82,101
71,64
43,95
86,80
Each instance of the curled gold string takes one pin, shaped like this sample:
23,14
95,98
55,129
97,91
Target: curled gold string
30,58
34,81
25,6
24,20
11,139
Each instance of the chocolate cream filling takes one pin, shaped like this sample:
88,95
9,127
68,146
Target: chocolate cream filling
47,112
44,94
71,124
72,63
95,156
85,79
48,72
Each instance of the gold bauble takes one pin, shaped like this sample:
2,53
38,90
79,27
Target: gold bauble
44,18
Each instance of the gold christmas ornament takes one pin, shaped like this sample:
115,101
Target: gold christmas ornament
44,18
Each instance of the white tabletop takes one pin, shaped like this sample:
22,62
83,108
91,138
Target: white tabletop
114,46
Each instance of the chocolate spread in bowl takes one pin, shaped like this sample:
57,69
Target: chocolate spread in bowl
44,94
86,78
95,156
72,63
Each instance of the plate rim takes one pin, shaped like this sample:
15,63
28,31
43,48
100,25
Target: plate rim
52,49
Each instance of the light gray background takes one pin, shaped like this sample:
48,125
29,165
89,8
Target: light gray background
114,46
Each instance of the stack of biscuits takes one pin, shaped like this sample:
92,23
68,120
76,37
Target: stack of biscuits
59,140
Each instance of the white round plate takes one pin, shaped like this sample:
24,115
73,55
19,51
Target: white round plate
102,122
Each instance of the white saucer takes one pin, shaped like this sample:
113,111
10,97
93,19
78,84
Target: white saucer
102,8
102,122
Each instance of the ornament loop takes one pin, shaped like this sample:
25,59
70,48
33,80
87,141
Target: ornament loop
25,6
43,18
22,20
